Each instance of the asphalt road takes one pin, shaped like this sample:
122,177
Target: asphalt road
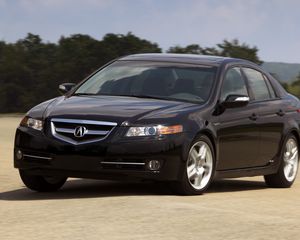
88,209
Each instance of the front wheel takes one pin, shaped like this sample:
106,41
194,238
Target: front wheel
42,183
288,169
199,168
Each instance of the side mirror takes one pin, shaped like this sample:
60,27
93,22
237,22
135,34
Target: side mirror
65,87
235,101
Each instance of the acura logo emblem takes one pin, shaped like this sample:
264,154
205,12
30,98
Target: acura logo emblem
80,131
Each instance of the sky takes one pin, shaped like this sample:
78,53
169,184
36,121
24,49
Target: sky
273,26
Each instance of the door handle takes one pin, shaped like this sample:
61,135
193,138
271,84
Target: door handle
253,117
280,113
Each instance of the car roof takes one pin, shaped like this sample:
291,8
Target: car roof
183,58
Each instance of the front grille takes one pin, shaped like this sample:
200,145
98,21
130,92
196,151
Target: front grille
77,131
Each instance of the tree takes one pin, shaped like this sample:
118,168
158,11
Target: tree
235,49
30,69
191,49
226,49
121,45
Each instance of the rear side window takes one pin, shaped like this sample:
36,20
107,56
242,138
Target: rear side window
233,84
257,84
271,89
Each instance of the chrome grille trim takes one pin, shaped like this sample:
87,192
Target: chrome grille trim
89,132
64,130
95,132
124,163
34,156
58,132
80,121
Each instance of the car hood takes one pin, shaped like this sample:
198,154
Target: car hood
114,108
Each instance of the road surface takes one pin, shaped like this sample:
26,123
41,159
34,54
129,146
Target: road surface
90,209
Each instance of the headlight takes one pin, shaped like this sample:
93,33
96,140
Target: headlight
153,130
32,123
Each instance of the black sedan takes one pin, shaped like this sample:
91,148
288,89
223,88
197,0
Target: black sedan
183,119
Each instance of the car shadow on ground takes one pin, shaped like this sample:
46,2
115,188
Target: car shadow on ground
82,188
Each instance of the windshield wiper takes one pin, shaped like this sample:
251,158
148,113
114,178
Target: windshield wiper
84,94
121,95
144,96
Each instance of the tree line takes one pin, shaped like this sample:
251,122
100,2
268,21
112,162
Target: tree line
31,69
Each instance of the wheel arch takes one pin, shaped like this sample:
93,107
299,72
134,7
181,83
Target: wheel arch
291,131
209,134
291,127
295,132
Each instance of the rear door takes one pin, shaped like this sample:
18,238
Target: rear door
270,116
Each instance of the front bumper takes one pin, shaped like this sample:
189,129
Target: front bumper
113,158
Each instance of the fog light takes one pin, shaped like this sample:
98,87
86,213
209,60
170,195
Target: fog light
154,165
19,155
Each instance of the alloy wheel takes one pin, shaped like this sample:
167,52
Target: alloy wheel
290,158
199,165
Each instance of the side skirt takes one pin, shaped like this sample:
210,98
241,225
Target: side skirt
248,172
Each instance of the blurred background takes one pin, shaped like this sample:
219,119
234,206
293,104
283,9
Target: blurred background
47,42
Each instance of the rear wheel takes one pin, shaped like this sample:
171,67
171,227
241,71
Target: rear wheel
288,169
42,183
199,168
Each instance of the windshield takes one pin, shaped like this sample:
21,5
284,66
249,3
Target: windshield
170,81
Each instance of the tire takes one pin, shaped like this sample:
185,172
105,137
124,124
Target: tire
42,183
288,168
198,171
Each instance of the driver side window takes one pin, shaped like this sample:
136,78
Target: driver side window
233,83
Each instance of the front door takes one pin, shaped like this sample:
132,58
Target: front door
238,133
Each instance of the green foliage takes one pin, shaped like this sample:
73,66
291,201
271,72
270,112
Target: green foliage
190,49
285,72
237,50
226,49
31,70
294,87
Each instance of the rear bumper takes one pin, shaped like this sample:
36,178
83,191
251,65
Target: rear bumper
114,158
